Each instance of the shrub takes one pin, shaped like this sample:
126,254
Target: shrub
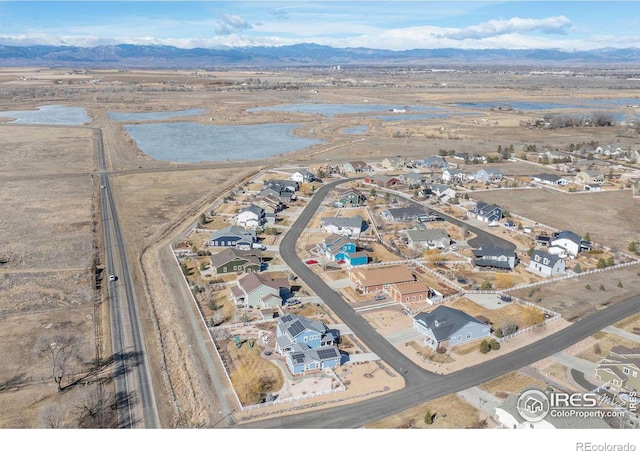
484,346
428,417
494,344
486,285
498,332
601,288
620,284
441,350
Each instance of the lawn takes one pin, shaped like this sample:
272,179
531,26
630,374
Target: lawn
252,376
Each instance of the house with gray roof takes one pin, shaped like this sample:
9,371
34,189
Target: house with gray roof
428,238
399,214
588,176
349,227
351,197
567,243
620,369
486,212
490,256
356,167
232,236
232,260
308,345
415,179
260,291
303,176
488,175
550,179
546,264
451,175
446,327
251,216
436,162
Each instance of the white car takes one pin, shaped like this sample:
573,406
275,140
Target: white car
112,278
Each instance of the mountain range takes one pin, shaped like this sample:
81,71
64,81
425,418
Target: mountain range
158,56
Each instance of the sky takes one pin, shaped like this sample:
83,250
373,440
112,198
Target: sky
391,24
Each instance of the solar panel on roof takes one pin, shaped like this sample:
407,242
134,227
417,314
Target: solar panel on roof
298,358
286,318
296,328
327,353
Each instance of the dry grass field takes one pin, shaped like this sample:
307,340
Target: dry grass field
588,211
514,382
605,341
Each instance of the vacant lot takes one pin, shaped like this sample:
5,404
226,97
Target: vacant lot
611,218
511,383
46,223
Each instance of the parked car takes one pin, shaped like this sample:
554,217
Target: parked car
112,278
294,302
379,297
311,262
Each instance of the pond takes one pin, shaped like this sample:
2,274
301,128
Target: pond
192,142
152,116
49,115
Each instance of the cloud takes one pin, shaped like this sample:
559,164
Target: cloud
279,14
548,25
228,24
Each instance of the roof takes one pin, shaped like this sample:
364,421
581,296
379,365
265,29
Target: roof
548,177
358,164
427,235
491,171
340,221
233,231
258,211
253,281
359,254
296,324
229,254
381,178
409,212
384,275
492,263
541,256
567,235
452,171
445,321
334,242
414,176
593,173
411,287
489,250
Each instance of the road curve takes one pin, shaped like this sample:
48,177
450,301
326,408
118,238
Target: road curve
421,385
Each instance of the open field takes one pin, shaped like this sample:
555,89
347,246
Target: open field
602,346
621,211
511,383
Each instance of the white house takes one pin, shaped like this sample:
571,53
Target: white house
566,243
251,216
349,227
453,175
431,238
546,264
303,176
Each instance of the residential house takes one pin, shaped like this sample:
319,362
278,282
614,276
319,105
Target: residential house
283,195
443,192
378,279
550,179
509,417
280,185
567,243
620,369
546,264
399,214
593,187
259,290
356,167
435,162
349,227
634,156
339,248
495,257
303,176
232,236
450,175
394,163
429,238
414,291
383,181
351,198
232,260
488,175
415,179
308,345
446,327
489,213
589,176
269,203
553,157
251,216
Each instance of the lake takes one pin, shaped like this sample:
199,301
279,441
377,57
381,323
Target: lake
154,116
50,115
193,142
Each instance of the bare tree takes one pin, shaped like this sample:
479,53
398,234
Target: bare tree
62,352
53,416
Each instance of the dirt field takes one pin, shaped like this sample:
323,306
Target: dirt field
587,210
511,383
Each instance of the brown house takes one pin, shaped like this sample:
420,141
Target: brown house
413,291
377,279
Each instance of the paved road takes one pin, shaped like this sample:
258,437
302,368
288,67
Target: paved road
133,382
420,385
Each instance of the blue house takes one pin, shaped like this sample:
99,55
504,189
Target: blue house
446,327
490,213
488,175
339,248
307,345
435,161
232,236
